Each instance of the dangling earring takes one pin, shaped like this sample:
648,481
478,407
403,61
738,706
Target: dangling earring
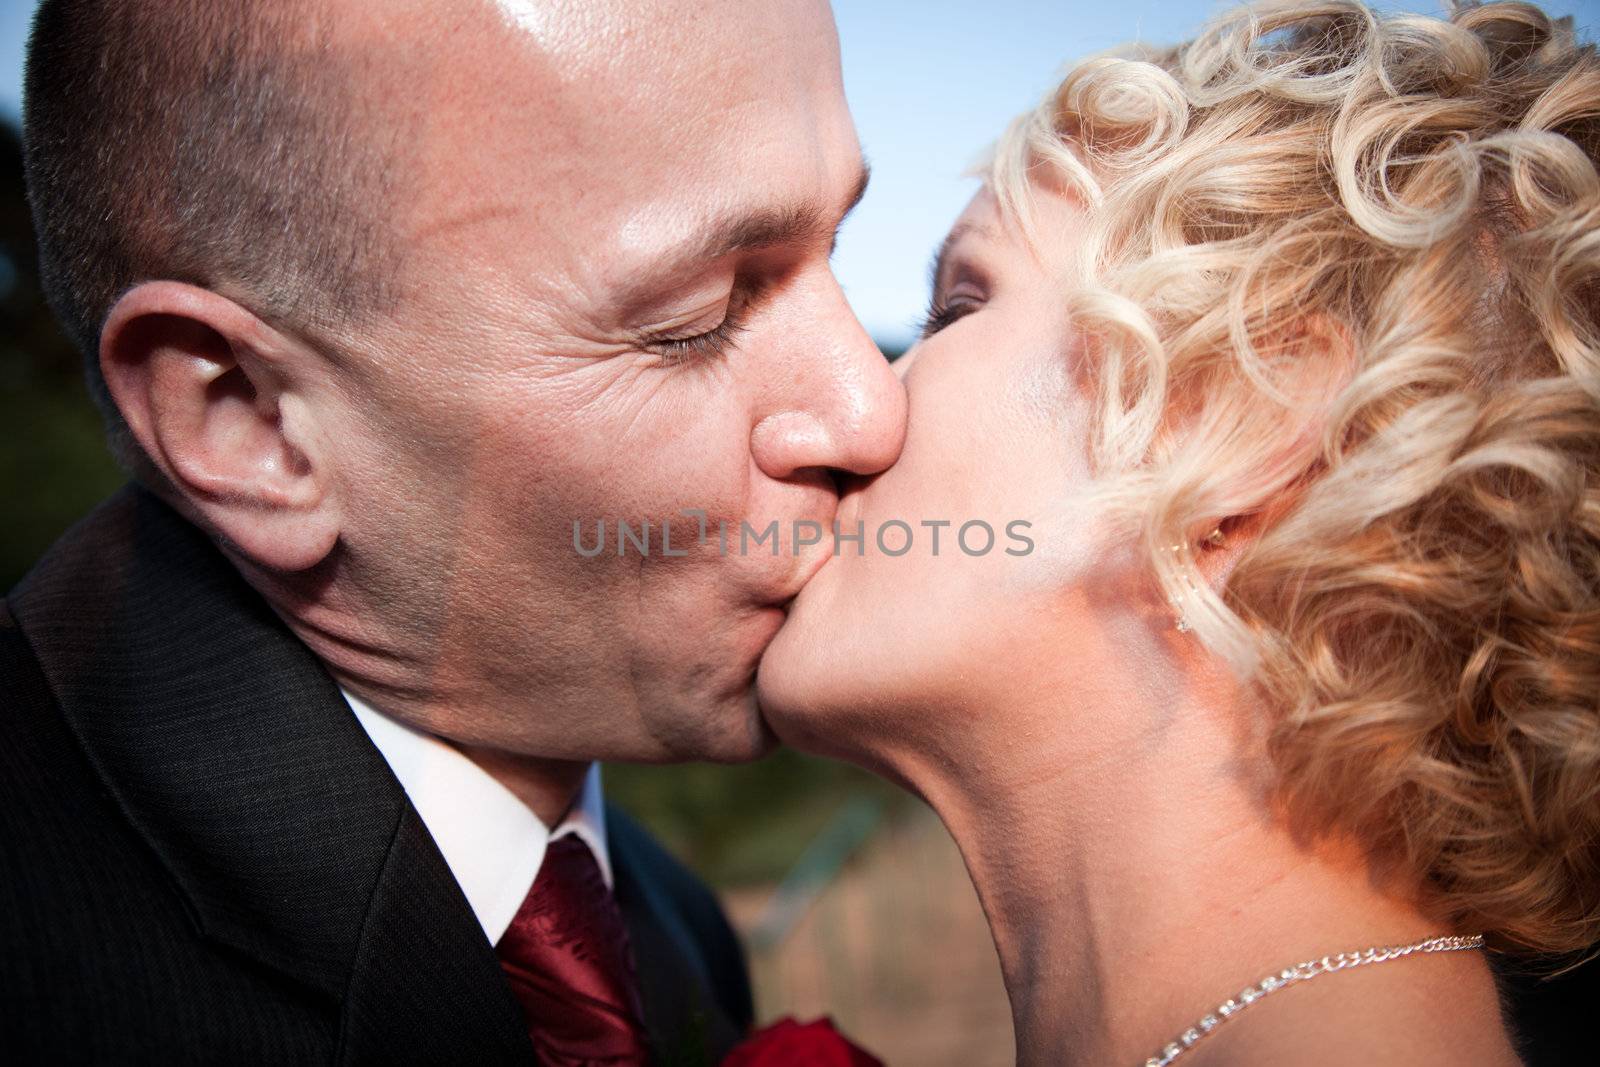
1215,539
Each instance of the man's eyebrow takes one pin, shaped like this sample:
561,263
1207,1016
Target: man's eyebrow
767,228
860,190
761,228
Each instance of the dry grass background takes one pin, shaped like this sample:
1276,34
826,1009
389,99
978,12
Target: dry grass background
896,950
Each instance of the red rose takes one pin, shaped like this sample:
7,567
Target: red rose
787,1043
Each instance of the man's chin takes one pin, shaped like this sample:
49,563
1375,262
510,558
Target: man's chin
748,737
762,741
733,731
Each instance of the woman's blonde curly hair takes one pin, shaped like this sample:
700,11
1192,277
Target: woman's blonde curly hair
1343,270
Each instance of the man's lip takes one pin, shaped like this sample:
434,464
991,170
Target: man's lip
813,565
782,602
846,515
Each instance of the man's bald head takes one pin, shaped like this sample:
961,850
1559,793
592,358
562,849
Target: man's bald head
389,294
217,144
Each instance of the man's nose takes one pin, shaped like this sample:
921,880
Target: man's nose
843,409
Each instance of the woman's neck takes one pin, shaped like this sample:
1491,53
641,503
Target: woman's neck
1135,882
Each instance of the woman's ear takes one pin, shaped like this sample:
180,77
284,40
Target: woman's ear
217,400
1217,558
1313,365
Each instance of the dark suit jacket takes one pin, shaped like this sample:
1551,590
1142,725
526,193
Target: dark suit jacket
204,859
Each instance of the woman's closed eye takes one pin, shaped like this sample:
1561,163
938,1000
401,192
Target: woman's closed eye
959,285
944,311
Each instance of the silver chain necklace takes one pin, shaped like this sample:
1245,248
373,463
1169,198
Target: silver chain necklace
1302,972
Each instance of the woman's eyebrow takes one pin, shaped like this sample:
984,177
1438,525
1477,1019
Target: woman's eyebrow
941,257
946,250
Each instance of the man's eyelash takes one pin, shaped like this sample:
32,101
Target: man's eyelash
711,344
715,342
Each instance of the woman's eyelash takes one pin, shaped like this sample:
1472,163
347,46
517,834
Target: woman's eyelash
939,315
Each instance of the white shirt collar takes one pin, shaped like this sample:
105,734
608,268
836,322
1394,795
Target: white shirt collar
492,842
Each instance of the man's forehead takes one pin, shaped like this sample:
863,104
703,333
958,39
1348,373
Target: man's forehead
573,27
548,153
631,41
562,105
595,79
555,23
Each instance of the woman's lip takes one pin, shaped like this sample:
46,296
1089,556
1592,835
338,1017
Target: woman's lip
850,503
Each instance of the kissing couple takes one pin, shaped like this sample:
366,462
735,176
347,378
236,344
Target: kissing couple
1266,714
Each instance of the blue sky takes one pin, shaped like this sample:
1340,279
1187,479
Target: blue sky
931,83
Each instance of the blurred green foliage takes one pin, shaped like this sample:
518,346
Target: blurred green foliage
744,823
53,461
734,824
53,468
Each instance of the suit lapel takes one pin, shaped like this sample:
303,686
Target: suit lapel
426,986
686,1024
234,756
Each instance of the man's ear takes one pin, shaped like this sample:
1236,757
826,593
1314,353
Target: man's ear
217,399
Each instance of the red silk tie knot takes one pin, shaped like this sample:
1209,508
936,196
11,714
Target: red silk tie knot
566,955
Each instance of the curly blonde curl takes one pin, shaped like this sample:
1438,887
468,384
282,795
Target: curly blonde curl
1350,263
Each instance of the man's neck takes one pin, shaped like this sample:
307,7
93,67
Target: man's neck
548,787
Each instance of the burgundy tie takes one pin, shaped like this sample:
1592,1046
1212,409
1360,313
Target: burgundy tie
566,954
